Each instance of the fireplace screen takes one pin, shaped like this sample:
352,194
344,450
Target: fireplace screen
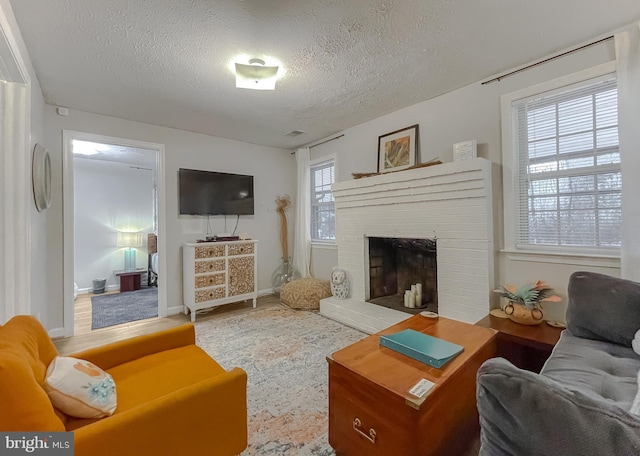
395,264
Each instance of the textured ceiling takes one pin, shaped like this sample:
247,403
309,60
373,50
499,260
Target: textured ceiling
166,62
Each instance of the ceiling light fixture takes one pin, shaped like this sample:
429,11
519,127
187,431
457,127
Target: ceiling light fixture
256,75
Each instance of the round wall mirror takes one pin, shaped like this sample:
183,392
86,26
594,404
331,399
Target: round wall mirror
41,176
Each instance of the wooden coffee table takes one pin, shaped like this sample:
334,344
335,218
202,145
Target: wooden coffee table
371,411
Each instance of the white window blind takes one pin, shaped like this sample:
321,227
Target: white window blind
323,218
569,181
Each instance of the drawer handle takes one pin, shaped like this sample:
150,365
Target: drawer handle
372,432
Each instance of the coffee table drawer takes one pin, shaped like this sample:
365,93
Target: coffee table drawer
365,420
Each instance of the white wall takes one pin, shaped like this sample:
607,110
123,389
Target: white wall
109,197
472,112
323,259
274,171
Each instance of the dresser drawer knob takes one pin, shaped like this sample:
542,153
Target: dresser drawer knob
357,426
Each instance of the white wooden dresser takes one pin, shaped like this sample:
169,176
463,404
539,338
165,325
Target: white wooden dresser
217,273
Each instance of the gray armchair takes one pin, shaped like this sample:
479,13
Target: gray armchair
579,404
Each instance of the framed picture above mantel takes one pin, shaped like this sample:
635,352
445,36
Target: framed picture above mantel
398,150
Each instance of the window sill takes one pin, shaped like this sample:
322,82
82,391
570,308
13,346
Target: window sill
598,260
329,245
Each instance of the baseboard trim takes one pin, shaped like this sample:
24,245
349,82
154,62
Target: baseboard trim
174,310
107,288
56,333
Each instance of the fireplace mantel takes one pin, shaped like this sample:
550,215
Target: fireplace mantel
451,202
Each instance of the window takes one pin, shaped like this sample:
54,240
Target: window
323,211
568,185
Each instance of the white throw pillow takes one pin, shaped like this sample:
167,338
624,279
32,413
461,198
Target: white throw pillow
80,388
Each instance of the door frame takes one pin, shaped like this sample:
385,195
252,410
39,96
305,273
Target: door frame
68,136
15,168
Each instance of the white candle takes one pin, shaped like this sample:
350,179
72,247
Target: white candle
418,295
412,299
406,299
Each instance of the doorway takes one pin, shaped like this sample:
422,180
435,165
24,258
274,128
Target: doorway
113,191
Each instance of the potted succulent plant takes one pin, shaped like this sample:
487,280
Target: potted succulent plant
525,302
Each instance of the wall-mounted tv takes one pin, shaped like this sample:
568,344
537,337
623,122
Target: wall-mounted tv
213,193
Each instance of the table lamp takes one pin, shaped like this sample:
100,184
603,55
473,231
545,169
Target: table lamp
129,240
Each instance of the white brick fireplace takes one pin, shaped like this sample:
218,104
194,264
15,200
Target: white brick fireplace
452,203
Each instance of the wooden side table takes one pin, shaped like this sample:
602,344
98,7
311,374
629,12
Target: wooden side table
130,280
526,347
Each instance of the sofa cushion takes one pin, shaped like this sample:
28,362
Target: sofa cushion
597,368
526,414
25,352
603,307
80,388
144,379
154,376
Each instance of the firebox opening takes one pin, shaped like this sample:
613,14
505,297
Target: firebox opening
397,263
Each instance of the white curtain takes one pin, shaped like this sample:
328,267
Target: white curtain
627,45
302,243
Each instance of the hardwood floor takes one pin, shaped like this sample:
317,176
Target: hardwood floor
85,337
82,312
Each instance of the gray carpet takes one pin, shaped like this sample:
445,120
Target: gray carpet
115,309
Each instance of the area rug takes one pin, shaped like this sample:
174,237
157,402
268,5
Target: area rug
118,308
284,354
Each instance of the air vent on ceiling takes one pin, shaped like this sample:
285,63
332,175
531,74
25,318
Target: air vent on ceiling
294,133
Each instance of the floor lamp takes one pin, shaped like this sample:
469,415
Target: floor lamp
130,241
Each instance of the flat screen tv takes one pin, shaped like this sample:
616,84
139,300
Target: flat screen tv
213,193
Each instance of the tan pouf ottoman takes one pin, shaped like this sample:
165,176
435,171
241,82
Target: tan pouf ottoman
305,293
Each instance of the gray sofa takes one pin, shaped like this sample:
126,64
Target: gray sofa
579,403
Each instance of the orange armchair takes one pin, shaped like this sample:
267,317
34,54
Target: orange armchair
172,397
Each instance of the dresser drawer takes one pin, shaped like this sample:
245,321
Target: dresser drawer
210,294
201,267
241,249
210,280
210,251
